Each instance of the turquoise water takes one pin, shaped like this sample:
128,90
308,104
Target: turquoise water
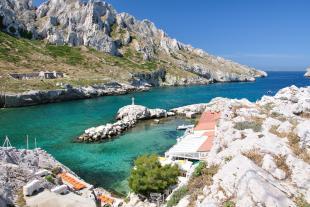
108,163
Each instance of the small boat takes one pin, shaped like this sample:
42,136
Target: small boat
184,127
269,92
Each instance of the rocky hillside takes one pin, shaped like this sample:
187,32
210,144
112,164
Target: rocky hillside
95,29
17,167
261,153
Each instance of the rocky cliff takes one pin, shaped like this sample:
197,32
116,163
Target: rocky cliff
96,24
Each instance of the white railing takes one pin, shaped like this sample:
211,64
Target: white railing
187,155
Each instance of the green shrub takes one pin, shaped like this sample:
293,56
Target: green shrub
25,34
71,55
56,170
177,196
12,30
229,204
199,169
256,126
49,178
148,176
300,201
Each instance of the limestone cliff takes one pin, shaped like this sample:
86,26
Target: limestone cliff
97,24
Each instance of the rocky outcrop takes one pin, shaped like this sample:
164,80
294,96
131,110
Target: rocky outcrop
262,150
66,94
96,24
127,117
17,167
307,74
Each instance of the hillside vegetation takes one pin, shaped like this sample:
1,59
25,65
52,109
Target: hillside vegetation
82,65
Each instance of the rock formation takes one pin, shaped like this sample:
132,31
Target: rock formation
127,117
17,167
97,25
262,150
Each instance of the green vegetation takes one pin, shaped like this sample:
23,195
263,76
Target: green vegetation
177,196
256,126
71,55
199,169
148,176
82,65
229,204
50,179
25,34
197,183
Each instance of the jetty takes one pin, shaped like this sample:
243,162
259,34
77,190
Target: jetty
196,143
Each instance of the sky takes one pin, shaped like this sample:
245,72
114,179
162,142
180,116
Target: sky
266,34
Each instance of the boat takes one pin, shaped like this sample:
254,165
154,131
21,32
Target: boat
184,127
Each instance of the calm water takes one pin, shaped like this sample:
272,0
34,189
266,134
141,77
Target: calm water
108,164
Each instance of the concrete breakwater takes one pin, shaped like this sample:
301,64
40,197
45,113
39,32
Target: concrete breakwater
128,116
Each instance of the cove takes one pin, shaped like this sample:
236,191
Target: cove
108,164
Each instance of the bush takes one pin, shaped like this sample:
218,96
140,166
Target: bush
148,176
199,169
50,179
25,34
56,170
256,126
177,196
229,204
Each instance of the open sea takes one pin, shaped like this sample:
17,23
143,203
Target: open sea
107,164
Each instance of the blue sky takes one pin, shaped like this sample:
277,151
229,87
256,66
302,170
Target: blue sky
267,34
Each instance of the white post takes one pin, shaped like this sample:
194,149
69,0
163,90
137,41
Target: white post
27,142
133,101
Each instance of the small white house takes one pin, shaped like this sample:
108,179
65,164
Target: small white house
31,187
61,189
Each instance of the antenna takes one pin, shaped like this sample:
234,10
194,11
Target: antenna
7,143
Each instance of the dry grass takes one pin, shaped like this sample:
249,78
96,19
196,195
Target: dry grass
281,164
21,202
255,156
293,140
300,201
197,183
274,130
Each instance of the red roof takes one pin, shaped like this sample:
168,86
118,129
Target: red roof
207,145
207,121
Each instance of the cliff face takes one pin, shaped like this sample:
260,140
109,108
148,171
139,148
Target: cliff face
97,25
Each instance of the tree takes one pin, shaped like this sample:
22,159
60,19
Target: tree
148,176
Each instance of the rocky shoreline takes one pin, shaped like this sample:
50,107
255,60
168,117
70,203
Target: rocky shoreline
139,82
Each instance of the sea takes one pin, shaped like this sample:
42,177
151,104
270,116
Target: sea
108,163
